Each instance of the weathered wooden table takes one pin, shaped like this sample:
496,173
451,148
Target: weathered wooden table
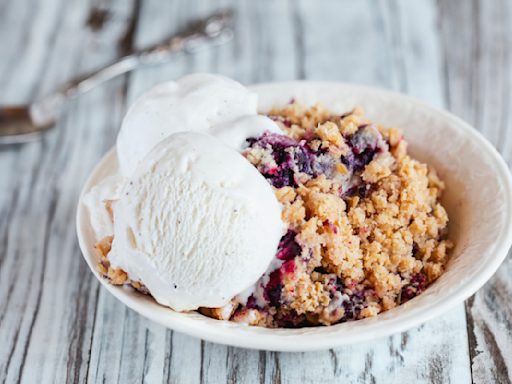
58,325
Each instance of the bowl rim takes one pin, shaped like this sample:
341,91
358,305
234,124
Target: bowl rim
274,339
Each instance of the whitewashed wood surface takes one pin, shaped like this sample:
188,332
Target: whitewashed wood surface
57,325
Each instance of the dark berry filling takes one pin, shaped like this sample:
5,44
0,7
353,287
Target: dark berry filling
273,289
288,247
354,304
292,157
292,320
364,146
289,155
414,288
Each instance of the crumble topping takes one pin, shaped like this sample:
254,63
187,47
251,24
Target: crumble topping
365,229
115,276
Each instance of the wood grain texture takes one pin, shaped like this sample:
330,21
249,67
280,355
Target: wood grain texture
48,299
477,43
57,325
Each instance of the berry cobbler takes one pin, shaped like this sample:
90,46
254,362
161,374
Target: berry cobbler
365,229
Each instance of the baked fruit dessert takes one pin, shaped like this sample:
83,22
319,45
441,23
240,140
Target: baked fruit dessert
299,217
365,229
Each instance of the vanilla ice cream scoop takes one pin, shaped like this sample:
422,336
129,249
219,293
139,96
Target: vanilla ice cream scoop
200,102
196,223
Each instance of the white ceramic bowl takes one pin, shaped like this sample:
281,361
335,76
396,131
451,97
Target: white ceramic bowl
478,200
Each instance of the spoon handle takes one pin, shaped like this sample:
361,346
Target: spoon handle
213,30
210,31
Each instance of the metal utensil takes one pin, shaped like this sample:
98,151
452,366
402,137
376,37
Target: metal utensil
24,123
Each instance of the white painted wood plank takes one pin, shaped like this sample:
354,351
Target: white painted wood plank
413,41
51,297
477,41
56,323
105,355
344,41
490,315
28,30
214,365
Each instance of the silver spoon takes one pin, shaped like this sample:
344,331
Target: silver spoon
24,123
